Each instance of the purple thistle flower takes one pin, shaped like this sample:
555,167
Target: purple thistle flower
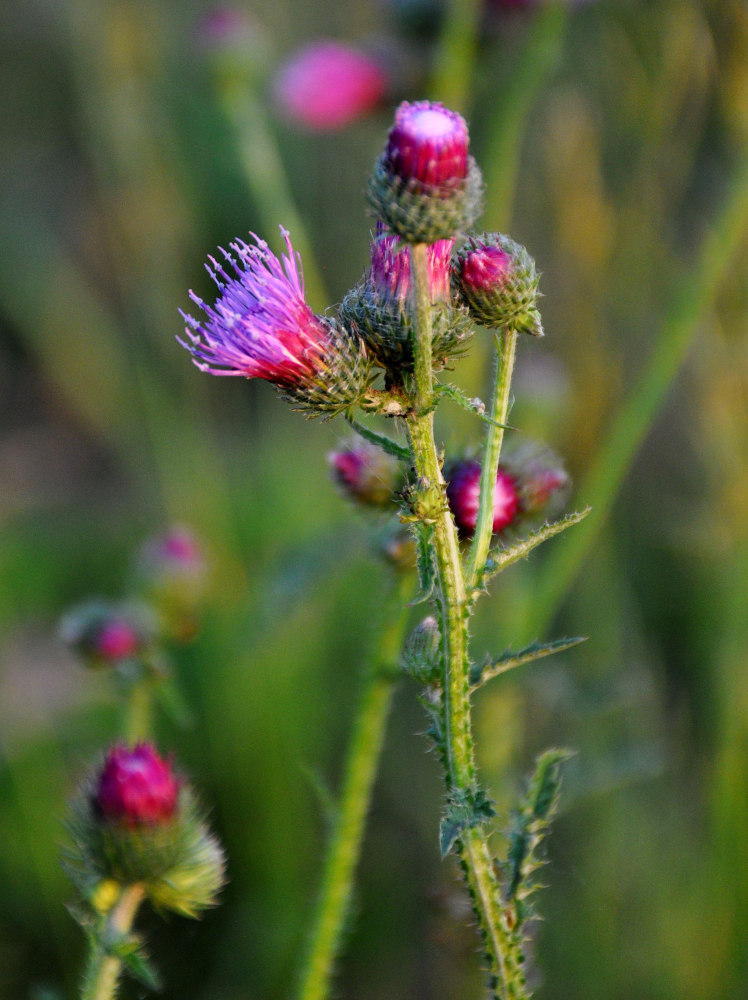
389,276
260,325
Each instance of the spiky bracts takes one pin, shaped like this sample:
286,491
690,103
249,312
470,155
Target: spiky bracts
496,279
425,186
261,327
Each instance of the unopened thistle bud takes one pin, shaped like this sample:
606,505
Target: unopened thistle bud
425,186
172,571
380,306
421,656
109,634
135,821
463,494
261,327
366,473
496,279
543,484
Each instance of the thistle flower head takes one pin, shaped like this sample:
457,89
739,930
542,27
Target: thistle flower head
425,186
328,85
463,495
428,147
496,279
380,307
133,820
136,787
106,633
261,327
543,483
366,474
172,570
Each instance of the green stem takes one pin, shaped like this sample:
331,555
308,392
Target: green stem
360,771
458,749
505,342
139,711
102,974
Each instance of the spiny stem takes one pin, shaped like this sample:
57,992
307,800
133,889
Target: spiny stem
505,341
360,772
102,974
459,756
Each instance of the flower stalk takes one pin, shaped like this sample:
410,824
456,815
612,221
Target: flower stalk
452,603
104,966
505,341
350,818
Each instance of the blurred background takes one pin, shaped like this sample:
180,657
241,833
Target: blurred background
138,136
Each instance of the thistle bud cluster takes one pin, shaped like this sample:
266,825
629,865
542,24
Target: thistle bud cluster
425,188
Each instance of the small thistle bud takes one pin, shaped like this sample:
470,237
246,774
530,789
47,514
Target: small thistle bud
135,821
496,279
425,186
366,473
543,484
421,652
380,306
328,85
262,327
136,788
397,548
107,634
172,570
463,494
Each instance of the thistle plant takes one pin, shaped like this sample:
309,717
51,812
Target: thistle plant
409,317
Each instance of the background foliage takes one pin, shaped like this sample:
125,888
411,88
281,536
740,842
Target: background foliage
611,136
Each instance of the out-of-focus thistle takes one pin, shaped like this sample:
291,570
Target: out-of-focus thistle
425,186
380,305
136,834
261,327
109,633
463,493
327,85
496,279
172,571
135,821
366,474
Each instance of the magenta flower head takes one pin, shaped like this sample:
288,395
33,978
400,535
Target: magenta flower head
108,634
380,306
328,85
261,327
136,787
543,484
425,186
496,279
172,571
135,820
366,474
463,495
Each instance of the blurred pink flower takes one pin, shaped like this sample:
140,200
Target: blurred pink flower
328,85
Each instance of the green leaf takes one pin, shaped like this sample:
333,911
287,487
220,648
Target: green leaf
129,951
424,562
472,404
500,558
466,808
482,672
381,440
530,824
